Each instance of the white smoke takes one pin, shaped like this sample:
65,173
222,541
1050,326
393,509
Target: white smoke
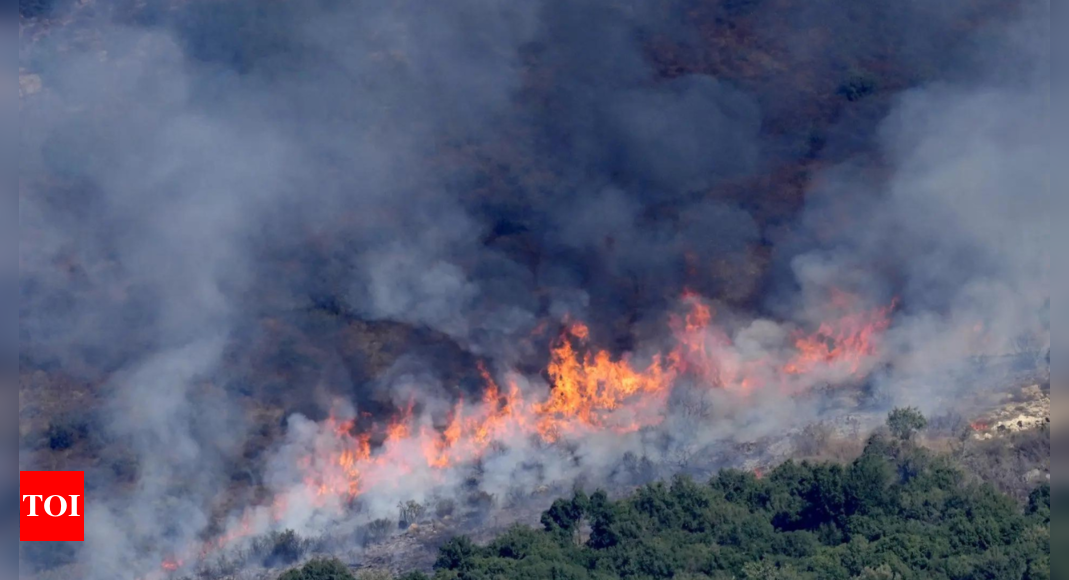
174,187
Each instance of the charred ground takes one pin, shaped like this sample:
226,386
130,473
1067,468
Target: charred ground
594,160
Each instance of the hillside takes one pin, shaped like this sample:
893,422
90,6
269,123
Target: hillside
294,275
896,511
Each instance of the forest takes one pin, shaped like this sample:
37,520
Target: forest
898,511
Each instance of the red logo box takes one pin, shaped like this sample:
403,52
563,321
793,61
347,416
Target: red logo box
52,506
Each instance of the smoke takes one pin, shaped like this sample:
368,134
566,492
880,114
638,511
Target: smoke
8,285
240,218
959,231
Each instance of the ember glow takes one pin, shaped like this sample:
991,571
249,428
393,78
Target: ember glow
589,391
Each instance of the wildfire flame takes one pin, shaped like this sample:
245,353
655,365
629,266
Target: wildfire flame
588,387
850,341
590,390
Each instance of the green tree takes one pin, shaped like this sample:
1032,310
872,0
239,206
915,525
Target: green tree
905,421
603,532
898,512
565,517
456,554
1039,502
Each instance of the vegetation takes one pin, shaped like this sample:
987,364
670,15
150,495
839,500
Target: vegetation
898,511
445,508
378,530
280,548
319,570
410,512
903,423
1006,461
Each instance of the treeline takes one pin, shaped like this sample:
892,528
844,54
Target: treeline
899,511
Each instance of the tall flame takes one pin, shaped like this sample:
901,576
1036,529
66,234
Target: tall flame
588,387
590,390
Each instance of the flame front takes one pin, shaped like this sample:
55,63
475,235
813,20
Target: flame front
590,390
850,341
590,387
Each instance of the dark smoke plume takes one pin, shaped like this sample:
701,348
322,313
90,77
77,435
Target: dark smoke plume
238,215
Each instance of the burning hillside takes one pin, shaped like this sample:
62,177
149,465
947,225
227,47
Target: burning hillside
288,265
589,392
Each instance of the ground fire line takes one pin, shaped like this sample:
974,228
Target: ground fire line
590,391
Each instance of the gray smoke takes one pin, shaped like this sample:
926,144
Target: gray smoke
960,231
238,217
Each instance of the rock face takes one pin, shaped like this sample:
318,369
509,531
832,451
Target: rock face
1027,408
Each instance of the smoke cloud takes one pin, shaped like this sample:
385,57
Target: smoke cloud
253,232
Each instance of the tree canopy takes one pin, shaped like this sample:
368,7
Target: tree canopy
898,511
895,512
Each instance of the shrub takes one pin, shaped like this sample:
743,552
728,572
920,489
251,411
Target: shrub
319,570
481,501
410,512
377,531
445,508
280,548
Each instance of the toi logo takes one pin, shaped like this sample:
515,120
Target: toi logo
52,506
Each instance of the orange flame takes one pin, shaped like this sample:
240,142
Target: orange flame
848,341
465,438
588,387
590,391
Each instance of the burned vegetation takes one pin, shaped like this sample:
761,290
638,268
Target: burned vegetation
347,279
